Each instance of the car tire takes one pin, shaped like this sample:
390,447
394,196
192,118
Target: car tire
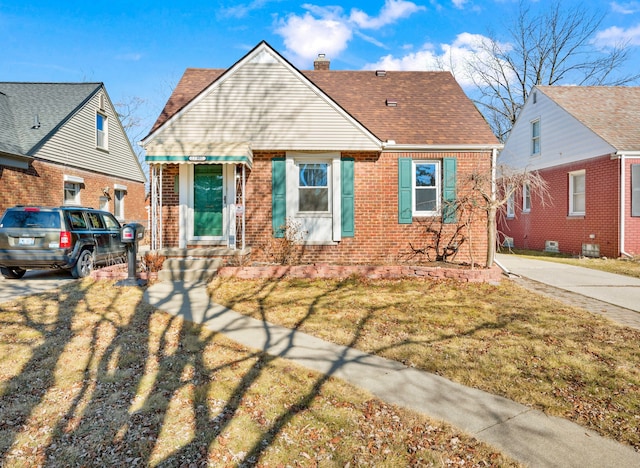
84,265
12,273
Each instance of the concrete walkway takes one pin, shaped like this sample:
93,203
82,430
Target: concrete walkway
608,294
525,434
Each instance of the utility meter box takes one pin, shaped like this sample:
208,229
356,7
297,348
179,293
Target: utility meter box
132,232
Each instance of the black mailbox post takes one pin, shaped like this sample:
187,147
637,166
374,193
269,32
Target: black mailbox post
130,234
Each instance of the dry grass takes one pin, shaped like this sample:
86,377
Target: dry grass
91,376
502,339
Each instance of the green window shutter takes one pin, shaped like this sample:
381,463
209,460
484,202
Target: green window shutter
278,195
405,209
449,190
348,201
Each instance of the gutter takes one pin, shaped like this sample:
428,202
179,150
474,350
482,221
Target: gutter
390,145
623,178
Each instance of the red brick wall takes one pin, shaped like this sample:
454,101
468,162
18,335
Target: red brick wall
43,184
632,224
378,236
552,222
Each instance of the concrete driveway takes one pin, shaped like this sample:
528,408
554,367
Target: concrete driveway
33,282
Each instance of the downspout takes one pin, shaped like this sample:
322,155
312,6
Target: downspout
623,191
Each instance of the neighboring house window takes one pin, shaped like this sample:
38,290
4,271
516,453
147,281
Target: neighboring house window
526,198
72,187
101,130
511,208
426,188
535,137
118,202
577,188
635,190
313,187
104,203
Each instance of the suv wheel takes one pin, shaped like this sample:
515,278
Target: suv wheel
12,273
84,265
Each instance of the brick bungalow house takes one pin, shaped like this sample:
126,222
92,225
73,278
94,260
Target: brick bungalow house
585,143
63,143
359,163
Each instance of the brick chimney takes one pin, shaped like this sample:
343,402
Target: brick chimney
321,63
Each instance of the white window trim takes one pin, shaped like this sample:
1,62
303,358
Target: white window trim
335,197
120,216
511,206
538,138
74,179
573,174
105,131
438,188
76,200
526,196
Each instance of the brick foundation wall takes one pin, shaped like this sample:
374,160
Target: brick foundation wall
552,222
43,184
379,238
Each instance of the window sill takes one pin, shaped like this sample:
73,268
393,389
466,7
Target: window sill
575,216
104,150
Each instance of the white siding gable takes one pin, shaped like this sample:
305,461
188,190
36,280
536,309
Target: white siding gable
267,103
74,144
563,139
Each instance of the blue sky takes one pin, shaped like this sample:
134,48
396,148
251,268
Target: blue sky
141,48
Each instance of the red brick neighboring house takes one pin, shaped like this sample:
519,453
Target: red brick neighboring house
236,154
63,143
585,142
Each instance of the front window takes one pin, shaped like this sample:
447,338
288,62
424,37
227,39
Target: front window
511,209
426,188
118,203
577,188
313,187
526,198
101,130
535,137
71,193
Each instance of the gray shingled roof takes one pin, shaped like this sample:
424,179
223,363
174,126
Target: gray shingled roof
611,112
50,103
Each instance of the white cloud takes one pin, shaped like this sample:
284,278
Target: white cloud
615,36
241,10
628,8
392,11
306,36
455,57
459,4
328,30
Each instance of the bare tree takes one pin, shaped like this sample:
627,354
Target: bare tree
494,194
549,47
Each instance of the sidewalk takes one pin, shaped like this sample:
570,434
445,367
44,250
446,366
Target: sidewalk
618,295
527,435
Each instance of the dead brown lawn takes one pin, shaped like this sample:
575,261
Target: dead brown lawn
503,339
91,376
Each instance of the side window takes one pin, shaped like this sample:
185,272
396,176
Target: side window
77,220
118,203
95,220
526,198
110,222
71,193
577,187
535,137
511,208
101,131
635,190
313,187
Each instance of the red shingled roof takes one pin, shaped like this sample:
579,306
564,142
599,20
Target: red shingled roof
431,106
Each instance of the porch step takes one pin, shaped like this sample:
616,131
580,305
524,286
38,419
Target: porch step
189,269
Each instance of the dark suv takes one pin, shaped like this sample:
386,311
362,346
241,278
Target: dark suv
67,237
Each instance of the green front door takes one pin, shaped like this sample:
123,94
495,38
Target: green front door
207,200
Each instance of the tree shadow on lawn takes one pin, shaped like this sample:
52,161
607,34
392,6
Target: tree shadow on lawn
111,381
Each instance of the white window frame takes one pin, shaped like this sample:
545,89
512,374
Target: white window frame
526,198
318,227
572,193
102,136
511,206
72,193
301,189
437,187
536,146
118,203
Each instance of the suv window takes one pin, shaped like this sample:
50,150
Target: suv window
110,222
77,220
24,219
95,220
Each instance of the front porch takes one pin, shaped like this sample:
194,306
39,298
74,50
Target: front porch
198,264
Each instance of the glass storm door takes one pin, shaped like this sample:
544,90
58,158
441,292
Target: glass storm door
207,200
